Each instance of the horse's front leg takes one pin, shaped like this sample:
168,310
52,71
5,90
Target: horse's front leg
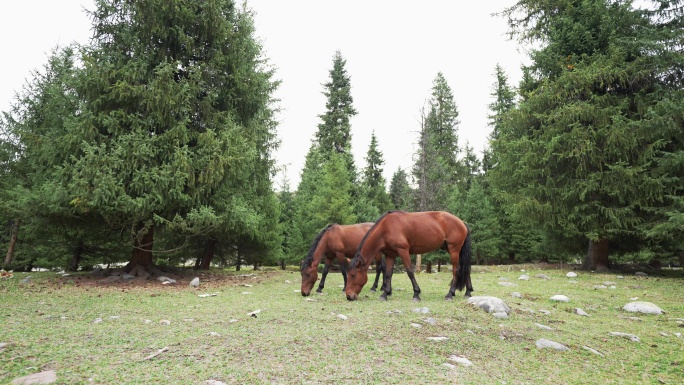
343,268
378,270
406,259
321,285
387,285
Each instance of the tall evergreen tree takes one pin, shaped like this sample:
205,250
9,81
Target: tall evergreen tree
175,111
374,190
400,191
595,138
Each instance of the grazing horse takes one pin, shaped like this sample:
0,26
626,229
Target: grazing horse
399,233
334,241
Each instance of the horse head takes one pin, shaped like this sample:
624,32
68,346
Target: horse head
309,277
357,276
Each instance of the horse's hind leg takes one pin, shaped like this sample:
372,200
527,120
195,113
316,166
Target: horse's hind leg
325,274
454,272
343,270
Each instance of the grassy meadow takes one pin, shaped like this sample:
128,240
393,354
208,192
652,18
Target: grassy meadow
94,331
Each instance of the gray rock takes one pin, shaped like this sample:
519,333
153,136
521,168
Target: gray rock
500,315
214,334
592,350
524,277
417,326
97,320
342,316
641,274
448,365
489,304
47,377
461,360
25,280
598,287
544,311
421,310
581,312
430,321
560,298
542,276
195,282
642,307
214,382
3,345
630,337
543,326
571,274
165,322
543,343
515,294
128,276
609,283
508,284
439,339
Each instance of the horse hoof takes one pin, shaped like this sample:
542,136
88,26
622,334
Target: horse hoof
319,291
382,298
449,298
416,299
373,290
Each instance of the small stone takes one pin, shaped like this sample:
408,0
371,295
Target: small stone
421,310
544,311
233,320
642,307
461,360
342,316
599,287
128,276
430,321
448,365
620,277
437,338
417,326
542,276
664,334
515,294
114,317
641,274
214,382
634,298
165,322
581,312
630,337
508,284
97,320
679,335
311,299
195,282
254,313
560,298
592,350
543,326
286,281
524,277
3,345
609,283
213,334
47,377
544,343
248,285
148,321
571,274
247,292
500,315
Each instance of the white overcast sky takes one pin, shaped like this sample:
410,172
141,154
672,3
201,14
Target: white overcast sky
394,50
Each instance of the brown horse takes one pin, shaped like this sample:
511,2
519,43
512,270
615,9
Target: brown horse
334,241
399,233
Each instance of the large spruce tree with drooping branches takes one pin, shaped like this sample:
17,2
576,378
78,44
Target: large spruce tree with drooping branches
596,141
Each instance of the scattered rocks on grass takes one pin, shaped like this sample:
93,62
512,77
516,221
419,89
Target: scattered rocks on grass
489,304
195,282
46,377
630,337
571,274
560,298
642,307
543,343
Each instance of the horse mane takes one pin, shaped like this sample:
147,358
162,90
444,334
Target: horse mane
309,257
357,256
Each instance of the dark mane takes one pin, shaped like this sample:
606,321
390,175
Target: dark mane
357,256
309,257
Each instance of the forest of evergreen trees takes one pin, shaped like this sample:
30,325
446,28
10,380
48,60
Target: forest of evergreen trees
153,145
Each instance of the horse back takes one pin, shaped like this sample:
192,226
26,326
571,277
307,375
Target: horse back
346,238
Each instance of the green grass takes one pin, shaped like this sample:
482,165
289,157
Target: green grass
49,324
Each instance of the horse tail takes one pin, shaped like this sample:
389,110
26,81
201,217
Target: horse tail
464,261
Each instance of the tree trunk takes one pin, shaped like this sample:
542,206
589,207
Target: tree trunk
208,254
282,264
439,265
428,267
511,257
238,263
76,256
13,241
680,253
419,261
597,256
141,262
477,257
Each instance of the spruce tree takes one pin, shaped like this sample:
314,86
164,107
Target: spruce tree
593,140
400,191
374,190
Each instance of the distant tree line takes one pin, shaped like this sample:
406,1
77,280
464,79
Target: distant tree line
152,145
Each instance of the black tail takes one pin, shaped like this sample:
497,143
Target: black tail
464,261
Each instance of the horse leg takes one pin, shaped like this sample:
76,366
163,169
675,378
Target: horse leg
469,287
389,269
406,259
454,272
343,269
328,262
378,271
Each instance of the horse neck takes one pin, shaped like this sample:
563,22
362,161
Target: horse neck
319,251
371,246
